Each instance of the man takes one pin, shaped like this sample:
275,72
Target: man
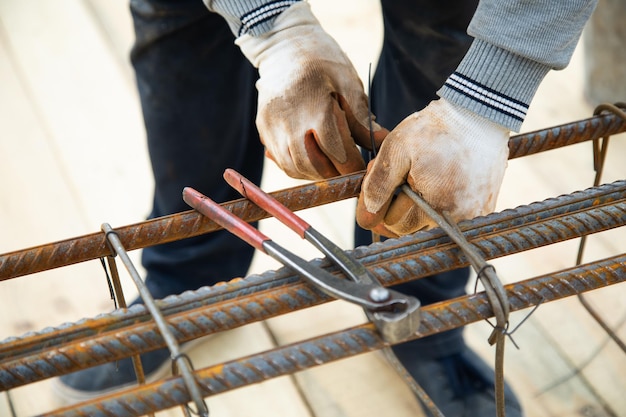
444,101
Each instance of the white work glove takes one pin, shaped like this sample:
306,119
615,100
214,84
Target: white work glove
312,107
454,158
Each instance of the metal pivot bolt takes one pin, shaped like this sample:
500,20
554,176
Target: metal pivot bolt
378,295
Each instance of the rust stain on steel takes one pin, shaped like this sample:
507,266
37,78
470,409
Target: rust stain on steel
566,134
187,224
168,228
324,349
414,246
393,262
371,256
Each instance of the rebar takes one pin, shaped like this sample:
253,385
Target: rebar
172,344
563,205
600,147
190,223
321,350
209,310
120,300
494,289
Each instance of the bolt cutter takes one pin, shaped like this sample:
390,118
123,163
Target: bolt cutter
395,315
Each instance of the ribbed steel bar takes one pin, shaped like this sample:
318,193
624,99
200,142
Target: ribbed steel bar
190,223
39,356
566,134
172,344
570,203
597,196
169,228
343,344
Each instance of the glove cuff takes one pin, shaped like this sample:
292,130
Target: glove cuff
495,84
252,17
298,15
478,131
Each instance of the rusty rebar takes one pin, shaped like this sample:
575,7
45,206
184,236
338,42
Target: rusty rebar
209,310
494,289
120,300
600,125
190,223
600,148
537,211
286,360
178,359
169,228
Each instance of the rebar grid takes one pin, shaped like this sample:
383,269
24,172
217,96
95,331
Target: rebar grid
114,336
190,223
292,358
129,332
372,255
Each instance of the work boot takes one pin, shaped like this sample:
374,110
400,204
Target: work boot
104,379
461,385
113,376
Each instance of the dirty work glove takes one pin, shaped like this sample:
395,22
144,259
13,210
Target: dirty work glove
454,158
312,107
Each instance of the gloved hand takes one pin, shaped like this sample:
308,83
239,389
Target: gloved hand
312,107
454,158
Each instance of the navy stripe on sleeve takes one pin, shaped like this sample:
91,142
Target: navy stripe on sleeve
263,13
487,96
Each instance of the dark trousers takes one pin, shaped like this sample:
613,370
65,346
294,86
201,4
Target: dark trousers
199,104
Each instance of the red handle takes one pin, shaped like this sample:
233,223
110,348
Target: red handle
266,201
224,218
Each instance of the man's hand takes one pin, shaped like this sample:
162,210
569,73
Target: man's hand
312,107
452,157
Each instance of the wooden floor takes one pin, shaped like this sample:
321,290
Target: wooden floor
72,156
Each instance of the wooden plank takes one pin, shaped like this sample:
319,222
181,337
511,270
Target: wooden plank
30,172
39,206
543,359
529,368
115,23
5,405
560,335
51,68
357,27
270,398
259,399
81,142
364,385
91,119
361,386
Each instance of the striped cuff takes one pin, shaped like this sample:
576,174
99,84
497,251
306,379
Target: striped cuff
249,17
259,20
495,84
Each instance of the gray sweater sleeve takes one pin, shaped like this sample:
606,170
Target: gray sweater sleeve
253,17
516,44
